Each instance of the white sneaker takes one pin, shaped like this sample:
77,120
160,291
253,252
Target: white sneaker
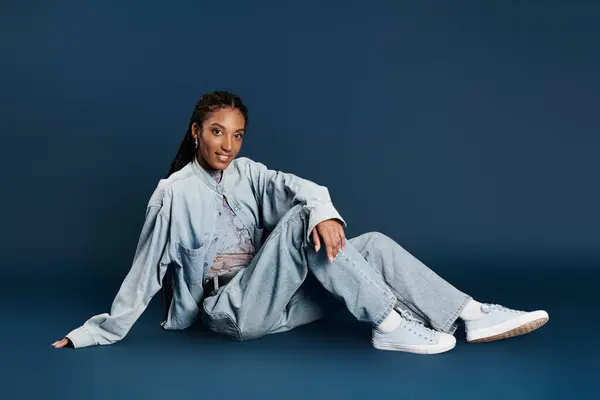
499,322
413,337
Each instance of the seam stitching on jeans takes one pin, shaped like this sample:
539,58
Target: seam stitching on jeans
456,314
388,310
386,291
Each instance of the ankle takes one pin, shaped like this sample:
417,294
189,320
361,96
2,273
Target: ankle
471,311
390,323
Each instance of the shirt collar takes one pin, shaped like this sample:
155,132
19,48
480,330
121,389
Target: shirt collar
208,179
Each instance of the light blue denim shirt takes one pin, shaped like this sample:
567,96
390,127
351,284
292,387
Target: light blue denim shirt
180,225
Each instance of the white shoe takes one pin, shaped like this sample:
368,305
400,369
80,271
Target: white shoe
499,322
413,337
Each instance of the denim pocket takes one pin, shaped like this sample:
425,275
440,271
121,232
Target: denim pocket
191,260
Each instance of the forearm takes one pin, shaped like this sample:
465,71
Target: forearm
139,286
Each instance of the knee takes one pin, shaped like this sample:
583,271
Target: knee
293,225
374,243
296,212
377,239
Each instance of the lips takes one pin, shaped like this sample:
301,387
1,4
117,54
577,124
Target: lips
222,157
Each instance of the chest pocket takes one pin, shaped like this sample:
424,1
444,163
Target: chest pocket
192,260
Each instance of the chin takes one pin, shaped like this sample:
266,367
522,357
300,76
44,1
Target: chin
216,164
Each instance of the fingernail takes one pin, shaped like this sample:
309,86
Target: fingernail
331,259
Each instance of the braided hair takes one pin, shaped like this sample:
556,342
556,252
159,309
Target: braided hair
205,106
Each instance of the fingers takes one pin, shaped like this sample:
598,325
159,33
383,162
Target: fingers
329,246
61,343
339,244
315,236
343,238
332,243
333,236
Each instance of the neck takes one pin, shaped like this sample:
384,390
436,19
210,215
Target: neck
217,174
204,164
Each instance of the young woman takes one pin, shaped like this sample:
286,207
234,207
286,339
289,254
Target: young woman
247,250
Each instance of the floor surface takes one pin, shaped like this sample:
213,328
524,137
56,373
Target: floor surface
330,359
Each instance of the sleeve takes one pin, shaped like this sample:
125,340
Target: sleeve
139,286
278,192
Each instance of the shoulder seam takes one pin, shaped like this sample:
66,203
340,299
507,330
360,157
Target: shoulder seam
171,179
161,209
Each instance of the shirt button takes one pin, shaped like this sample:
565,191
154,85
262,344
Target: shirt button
206,264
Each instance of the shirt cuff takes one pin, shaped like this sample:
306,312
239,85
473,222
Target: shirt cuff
81,337
319,213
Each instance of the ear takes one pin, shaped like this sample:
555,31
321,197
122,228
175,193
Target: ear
196,131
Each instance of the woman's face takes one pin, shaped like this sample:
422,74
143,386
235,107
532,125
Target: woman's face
220,140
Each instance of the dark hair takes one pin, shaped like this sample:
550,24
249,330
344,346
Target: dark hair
205,106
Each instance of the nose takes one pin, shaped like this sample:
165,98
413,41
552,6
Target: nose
226,144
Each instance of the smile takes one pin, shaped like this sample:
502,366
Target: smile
222,157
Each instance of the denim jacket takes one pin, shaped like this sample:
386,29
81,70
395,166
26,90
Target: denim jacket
178,232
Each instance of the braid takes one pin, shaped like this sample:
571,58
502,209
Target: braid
207,104
185,154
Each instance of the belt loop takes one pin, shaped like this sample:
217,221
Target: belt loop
216,281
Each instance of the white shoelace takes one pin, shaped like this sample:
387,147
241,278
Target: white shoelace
487,308
415,323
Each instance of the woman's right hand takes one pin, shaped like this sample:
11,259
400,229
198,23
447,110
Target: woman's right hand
66,342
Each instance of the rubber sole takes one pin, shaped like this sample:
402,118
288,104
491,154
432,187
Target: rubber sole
435,349
518,331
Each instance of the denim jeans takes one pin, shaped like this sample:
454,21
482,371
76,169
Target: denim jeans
371,276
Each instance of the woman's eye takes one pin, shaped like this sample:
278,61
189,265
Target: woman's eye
238,135
217,131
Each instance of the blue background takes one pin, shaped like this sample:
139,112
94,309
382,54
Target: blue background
467,131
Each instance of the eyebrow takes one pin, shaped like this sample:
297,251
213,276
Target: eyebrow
222,127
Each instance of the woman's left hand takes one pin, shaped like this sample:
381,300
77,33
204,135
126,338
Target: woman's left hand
334,238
